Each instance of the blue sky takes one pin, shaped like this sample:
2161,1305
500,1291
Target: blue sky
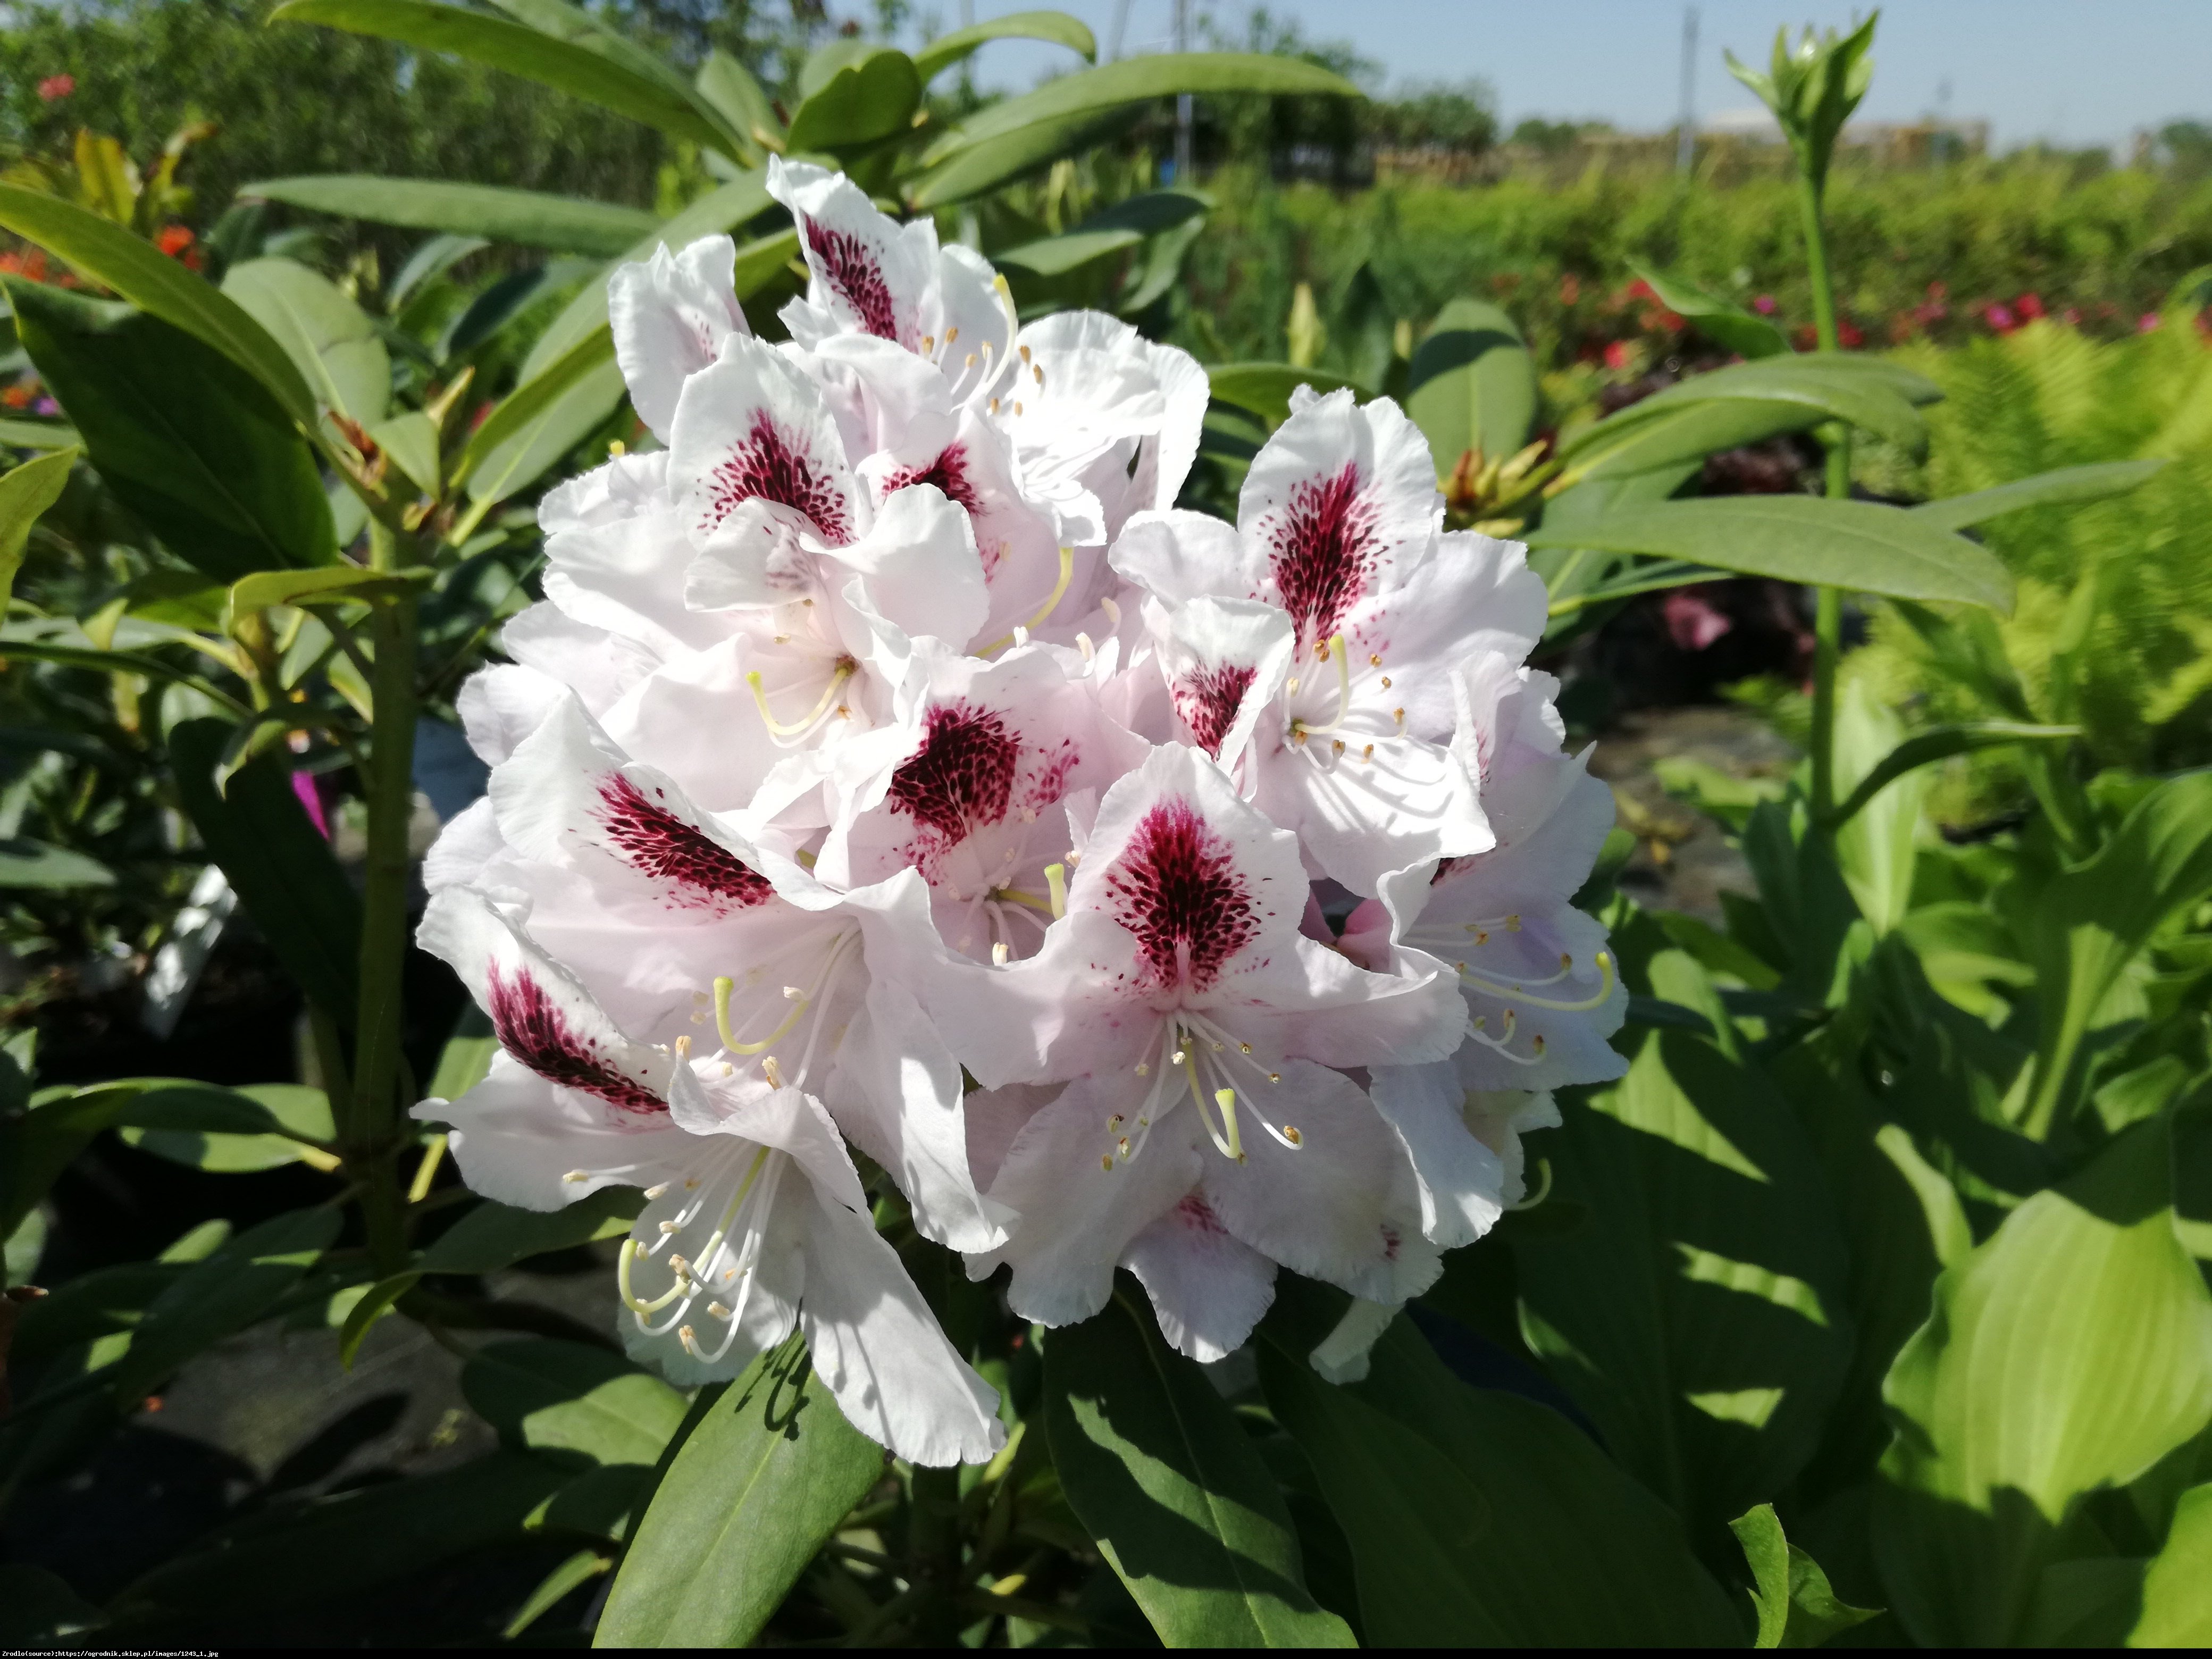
2071,71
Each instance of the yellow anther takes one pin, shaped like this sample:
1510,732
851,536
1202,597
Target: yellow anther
1106,1161
718,1311
1291,1134
574,1175
1056,882
1243,1047
999,954
772,1072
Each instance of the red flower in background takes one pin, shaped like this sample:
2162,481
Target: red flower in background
1616,354
56,87
2029,306
174,239
1847,334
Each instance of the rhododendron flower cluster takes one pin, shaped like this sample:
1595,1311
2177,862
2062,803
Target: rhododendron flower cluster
892,770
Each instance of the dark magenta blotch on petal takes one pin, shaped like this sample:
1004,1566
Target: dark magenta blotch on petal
1177,889
537,1033
653,841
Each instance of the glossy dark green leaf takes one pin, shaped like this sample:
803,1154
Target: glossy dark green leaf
1802,538
262,1125
862,103
1472,385
1134,80
333,346
338,582
578,1569
234,1287
1057,26
1481,1519
276,862
1727,325
325,1547
184,438
975,169
565,1397
2064,487
767,1473
1687,433
561,224
587,66
158,286
1796,1607
2073,1350
505,431
1266,388
1156,1465
27,863
1699,1315
492,1235
26,492
37,1608
544,428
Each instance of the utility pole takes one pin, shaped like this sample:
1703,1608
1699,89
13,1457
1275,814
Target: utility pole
1182,98
1686,135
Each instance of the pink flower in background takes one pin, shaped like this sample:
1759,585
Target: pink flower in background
2000,318
2149,323
1764,305
55,87
2073,315
1616,354
1692,623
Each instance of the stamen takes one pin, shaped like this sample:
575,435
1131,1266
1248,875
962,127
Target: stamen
1502,988
574,1175
1055,881
778,729
1332,648
772,1072
723,988
1058,593
999,954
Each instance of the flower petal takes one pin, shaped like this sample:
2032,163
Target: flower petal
670,314
1209,1287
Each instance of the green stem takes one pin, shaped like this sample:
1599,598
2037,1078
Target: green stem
372,1129
933,1553
1828,617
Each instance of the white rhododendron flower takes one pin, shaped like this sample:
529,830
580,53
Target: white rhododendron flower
892,766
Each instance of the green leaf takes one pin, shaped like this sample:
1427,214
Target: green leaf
1057,26
281,869
730,87
1826,388
720,210
864,102
1472,385
975,170
2176,1590
561,224
37,1607
767,1472
2065,486
261,1126
27,863
413,440
1156,1465
327,1548
182,436
589,66
493,1236
605,37
2070,1352
1266,388
375,1302
580,1568
25,492
1699,1315
542,421
158,286
1134,80
1477,1518
467,1056
1939,742
565,1397
1796,1608
238,1284
2087,924
335,347
39,436
1802,538
1687,432
342,582
1727,325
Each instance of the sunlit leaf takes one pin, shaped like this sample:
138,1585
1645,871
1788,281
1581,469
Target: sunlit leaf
1057,26
335,347
563,224
1472,385
26,492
